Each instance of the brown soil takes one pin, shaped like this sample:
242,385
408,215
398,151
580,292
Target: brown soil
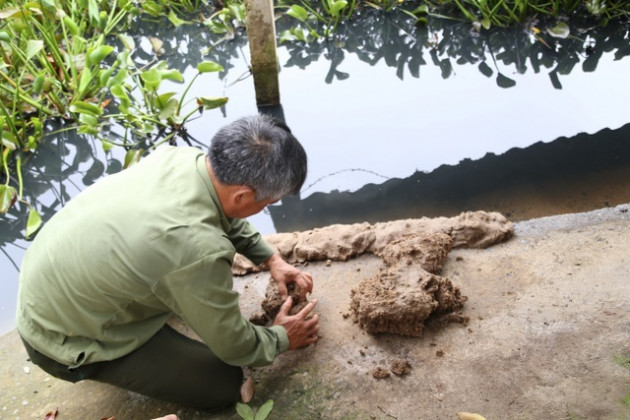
401,298
273,301
477,229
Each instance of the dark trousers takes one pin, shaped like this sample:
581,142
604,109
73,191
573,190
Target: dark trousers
169,367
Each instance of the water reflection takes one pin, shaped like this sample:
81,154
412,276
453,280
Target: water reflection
363,120
580,173
406,47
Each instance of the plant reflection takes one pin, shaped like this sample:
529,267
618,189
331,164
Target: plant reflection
401,44
66,161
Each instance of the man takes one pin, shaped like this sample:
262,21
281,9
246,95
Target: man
104,275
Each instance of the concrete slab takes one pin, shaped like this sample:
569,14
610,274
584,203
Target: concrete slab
548,338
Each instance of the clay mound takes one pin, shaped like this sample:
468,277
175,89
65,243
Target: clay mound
284,243
480,229
340,242
335,242
273,301
477,229
242,266
428,251
400,302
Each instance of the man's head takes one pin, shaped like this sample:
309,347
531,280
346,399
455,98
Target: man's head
260,153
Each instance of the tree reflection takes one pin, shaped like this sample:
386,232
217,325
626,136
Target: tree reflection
374,36
405,46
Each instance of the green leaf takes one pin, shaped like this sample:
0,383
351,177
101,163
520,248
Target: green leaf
211,103
264,410
8,195
175,20
38,83
120,77
88,119
169,109
81,107
208,67
173,75
95,57
162,99
118,91
238,11
151,78
337,7
421,10
152,8
298,12
9,140
86,78
8,12
33,46
245,411
93,12
105,76
107,146
71,25
127,42
561,30
33,223
132,156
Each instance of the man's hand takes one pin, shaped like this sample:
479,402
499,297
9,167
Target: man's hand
301,331
283,273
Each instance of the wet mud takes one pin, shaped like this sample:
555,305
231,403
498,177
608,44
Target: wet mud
408,291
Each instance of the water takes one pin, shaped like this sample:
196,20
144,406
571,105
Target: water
387,138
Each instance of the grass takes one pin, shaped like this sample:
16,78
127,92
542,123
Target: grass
623,360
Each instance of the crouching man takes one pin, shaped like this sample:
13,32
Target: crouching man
104,275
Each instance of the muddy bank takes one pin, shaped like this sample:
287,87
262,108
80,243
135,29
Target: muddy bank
547,338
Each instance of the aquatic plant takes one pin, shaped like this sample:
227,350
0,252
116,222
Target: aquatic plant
482,13
62,60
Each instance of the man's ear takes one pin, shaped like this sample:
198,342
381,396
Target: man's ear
242,193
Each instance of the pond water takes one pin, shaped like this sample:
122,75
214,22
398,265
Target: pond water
400,126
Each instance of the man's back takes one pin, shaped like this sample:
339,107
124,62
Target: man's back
93,267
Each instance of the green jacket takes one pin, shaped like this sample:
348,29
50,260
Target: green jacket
111,267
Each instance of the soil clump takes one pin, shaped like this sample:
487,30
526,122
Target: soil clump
273,301
400,298
478,229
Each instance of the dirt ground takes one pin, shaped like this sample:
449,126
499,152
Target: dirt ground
548,337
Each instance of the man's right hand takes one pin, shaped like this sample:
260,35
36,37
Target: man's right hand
301,331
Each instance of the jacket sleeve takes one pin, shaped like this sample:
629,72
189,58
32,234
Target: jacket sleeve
201,294
248,241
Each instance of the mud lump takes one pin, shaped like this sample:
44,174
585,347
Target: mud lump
409,290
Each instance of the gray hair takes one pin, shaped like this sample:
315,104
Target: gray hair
261,153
